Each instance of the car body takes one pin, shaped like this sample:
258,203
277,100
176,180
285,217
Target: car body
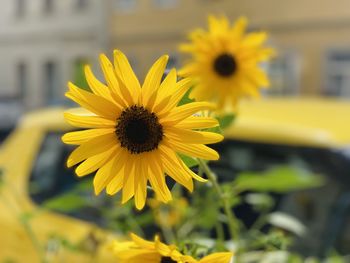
266,132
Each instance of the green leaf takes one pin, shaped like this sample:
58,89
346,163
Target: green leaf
216,129
79,75
186,98
66,203
280,179
189,161
225,121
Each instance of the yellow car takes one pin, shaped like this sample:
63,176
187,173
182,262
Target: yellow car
309,132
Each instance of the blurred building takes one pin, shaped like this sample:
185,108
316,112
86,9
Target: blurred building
312,37
43,44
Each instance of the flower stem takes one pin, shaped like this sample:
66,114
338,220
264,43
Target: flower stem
232,221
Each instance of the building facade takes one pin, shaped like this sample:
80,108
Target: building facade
43,44
312,37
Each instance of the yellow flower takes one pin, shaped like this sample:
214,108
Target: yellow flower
139,250
225,61
170,214
133,134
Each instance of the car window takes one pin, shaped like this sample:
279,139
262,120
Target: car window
50,176
312,207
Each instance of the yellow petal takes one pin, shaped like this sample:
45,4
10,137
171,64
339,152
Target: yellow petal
239,27
112,81
169,81
192,137
95,85
153,79
140,185
141,242
157,179
222,257
190,172
129,179
195,122
127,75
174,169
254,39
95,162
93,103
88,121
176,94
194,150
79,137
259,78
182,112
110,174
92,147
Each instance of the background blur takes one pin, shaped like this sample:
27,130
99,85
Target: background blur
44,43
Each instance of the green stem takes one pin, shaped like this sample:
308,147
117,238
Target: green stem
221,236
168,234
232,221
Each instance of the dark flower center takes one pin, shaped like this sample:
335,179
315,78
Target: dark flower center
225,65
167,260
138,130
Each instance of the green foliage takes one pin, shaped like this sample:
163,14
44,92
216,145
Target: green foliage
79,76
186,98
280,179
66,203
206,207
226,120
189,161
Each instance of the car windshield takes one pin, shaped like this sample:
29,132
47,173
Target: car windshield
55,186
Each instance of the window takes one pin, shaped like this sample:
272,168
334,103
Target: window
338,73
81,4
48,6
51,82
125,5
165,3
20,8
22,79
284,73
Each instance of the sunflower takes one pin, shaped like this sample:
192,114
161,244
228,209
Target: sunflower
140,250
134,134
225,61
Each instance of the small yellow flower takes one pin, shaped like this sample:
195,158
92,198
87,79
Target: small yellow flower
170,214
225,61
133,134
139,250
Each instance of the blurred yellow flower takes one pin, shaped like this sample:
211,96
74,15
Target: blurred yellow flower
225,61
170,214
139,250
133,134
